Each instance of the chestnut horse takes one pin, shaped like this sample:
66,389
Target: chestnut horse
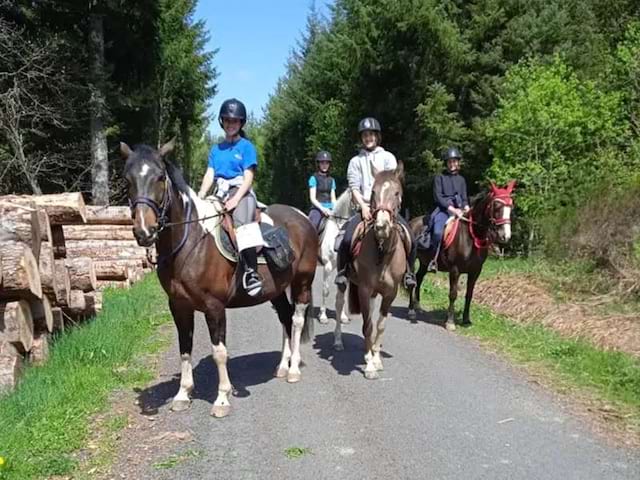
488,221
196,276
378,267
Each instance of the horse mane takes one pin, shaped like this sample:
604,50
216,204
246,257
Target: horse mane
342,208
176,177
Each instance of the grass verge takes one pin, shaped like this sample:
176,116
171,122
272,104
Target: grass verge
47,418
609,377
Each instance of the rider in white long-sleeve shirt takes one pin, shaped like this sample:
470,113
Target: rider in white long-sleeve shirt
361,173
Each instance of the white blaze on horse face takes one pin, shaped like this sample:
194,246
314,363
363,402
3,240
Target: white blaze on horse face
144,170
506,227
383,224
143,225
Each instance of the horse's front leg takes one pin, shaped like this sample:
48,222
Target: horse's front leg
366,302
301,296
183,318
217,324
453,294
380,328
326,272
414,298
472,278
337,333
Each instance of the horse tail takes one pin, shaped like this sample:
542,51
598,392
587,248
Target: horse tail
354,299
307,328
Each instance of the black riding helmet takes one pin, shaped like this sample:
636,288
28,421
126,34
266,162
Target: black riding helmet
369,123
323,156
233,108
451,152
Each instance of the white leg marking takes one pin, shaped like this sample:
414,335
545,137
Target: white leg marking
186,378
296,333
283,367
222,405
377,345
326,271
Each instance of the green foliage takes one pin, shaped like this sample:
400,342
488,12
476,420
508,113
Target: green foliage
46,419
554,133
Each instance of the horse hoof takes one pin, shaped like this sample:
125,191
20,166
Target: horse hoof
379,367
338,347
345,320
323,320
412,315
371,375
281,372
220,411
293,377
180,405
450,326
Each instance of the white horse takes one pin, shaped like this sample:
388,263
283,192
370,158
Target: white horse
328,257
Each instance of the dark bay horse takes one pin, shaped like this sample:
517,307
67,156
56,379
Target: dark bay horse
488,221
378,267
196,276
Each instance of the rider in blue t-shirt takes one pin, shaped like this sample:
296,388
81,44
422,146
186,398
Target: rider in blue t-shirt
232,166
322,190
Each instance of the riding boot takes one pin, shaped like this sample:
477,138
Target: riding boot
251,279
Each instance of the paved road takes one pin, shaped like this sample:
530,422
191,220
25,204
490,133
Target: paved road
443,409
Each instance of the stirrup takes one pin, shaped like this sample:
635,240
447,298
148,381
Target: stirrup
252,282
433,265
341,278
410,280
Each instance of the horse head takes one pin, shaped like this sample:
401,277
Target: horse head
149,189
386,198
499,209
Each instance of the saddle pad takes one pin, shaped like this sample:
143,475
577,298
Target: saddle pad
450,231
360,231
211,207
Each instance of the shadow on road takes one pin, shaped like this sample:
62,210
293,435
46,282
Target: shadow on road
245,371
351,359
433,317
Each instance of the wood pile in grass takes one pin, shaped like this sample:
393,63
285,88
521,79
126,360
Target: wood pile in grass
56,254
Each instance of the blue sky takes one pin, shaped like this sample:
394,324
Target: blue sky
254,38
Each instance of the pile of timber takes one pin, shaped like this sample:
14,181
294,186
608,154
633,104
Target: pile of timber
56,254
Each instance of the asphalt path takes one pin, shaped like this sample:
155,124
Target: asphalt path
444,408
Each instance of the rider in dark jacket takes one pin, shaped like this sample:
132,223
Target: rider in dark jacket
322,190
450,196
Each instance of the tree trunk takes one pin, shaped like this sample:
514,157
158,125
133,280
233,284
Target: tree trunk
93,301
20,275
62,208
39,352
99,153
21,225
11,364
82,273
109,215
58,319
42,315
58,242
16,325
98,232
63,283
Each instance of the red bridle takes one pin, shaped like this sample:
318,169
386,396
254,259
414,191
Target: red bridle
496,195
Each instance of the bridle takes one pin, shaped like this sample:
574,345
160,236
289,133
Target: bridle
495,196
159,209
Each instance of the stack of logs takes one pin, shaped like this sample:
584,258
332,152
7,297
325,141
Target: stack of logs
56,254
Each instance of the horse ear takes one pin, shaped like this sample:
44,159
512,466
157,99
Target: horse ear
125,151
511,185
167,148
492,186
399,171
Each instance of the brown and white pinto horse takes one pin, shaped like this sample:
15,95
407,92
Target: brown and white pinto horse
488,221
196,276
378,267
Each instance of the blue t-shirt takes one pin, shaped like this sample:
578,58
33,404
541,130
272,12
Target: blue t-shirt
230,160
313,184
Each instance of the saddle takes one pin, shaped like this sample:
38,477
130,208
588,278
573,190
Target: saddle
450,231
361,230
276,252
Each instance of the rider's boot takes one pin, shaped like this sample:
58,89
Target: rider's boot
251,279
343,268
